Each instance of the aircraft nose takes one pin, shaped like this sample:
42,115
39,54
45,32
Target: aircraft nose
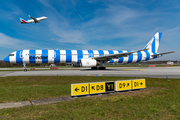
6,59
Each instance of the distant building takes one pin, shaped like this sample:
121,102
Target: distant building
170,63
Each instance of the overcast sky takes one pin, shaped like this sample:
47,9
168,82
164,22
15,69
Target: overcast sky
90,24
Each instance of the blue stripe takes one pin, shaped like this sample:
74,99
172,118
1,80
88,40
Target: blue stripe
139,56
160,34
91,54
68,56
130,57
147,55
153,46
111,61
111,52
101,53
154,56
57,59
120,58
32,56
18,55
44,56
80,55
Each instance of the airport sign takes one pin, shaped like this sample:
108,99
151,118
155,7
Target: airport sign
79,89
97,87
138,84
109,86
122,85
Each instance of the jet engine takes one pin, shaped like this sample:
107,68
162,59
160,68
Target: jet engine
88,62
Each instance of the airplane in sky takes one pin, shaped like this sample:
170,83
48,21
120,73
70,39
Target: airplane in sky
33,20
88,58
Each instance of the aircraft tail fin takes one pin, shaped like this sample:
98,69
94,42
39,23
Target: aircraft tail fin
153,44
22,20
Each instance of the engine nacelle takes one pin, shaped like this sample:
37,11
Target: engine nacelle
88,62
76,65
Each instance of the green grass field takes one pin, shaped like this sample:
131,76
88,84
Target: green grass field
161,99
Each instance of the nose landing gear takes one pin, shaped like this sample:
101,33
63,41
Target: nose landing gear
24,67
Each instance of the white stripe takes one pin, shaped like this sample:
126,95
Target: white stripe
143,55
25,56
62,56
38,55
96,53
85,54
125,60
156,42
115,60
74,56
50,56
134,57
12,59
106,52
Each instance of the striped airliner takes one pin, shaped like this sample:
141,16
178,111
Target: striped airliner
87,58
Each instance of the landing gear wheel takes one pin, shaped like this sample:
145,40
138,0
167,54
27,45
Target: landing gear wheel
102,68
93,68
24,67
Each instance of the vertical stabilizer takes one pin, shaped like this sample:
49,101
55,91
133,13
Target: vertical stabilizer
22,20
153,44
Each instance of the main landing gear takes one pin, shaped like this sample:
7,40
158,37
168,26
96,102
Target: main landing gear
96,68
24,67
100,68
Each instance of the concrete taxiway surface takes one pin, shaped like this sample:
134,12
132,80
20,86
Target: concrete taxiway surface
156,72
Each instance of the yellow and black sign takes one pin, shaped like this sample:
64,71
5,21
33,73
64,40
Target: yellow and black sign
79,89
97,87
138,84
109,86
103,87
122,85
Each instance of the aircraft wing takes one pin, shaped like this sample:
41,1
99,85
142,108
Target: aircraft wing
35,20
109,57
160,54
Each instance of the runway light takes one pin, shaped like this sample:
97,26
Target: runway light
96,75
167,78
57,75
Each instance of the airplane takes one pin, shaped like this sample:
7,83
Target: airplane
88,58
33,20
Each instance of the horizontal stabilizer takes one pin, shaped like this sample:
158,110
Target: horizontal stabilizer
163,53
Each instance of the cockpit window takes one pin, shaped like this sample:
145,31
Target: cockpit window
11,54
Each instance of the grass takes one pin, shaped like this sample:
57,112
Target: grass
161,99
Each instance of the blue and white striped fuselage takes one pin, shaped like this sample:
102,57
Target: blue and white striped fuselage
74,56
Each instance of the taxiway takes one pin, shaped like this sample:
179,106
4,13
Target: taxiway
155,72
